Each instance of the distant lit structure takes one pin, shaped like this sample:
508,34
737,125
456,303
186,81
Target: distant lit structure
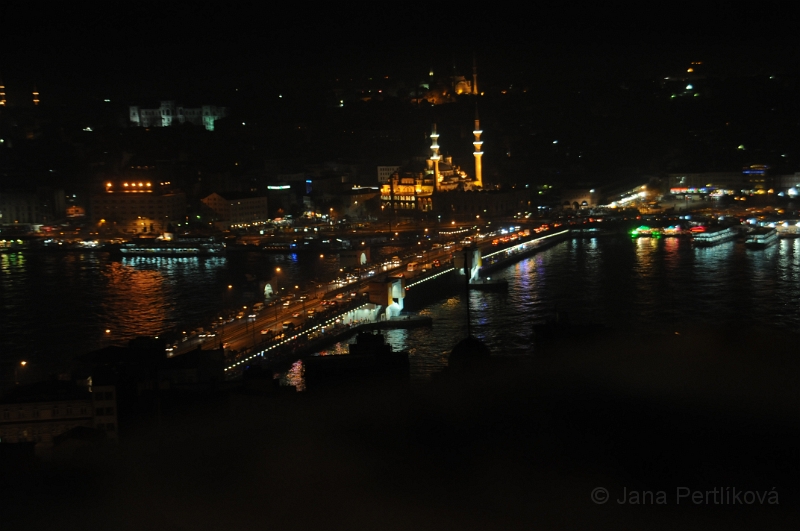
446,90
755,178
2,93
169,114
138,207
35,95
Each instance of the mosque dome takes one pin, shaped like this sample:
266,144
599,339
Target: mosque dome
463,87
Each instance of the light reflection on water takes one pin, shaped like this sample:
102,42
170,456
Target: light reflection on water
294,377
57,305
657,283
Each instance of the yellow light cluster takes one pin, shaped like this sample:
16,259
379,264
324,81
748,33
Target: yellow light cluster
132,187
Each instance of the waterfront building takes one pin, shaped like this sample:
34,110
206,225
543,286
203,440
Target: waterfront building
237,208
681,183
408,190
169,114
137,207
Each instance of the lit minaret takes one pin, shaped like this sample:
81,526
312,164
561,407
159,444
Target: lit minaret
478,151
435,157
2,93
35,96
474,77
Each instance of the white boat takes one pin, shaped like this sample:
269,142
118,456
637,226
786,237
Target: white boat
761,239
715,237
173,247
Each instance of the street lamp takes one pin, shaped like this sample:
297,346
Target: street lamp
17,368
277,293
277,272
223,317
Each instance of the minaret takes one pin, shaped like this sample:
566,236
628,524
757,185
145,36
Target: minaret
478,143
2,93
35,96
435,157
474,77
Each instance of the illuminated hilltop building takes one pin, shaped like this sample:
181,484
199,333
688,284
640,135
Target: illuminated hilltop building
445,91
169,114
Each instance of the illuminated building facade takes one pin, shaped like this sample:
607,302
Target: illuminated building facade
169,114
238,208
408,190
137,207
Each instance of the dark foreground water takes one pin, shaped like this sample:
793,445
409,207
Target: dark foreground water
55,306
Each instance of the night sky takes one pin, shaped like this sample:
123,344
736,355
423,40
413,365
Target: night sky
137,49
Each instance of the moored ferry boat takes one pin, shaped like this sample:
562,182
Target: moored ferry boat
788,229
761,239
715,237
173,247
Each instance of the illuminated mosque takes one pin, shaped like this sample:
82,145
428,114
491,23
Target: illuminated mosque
446,92
415,188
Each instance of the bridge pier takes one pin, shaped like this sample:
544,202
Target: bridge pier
473,261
